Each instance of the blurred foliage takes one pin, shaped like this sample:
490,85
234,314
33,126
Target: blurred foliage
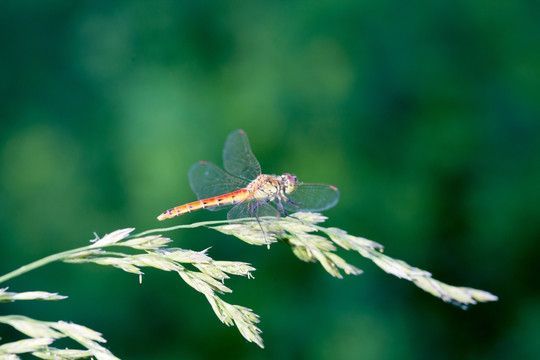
425,115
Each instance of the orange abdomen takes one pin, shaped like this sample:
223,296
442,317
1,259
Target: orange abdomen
231,198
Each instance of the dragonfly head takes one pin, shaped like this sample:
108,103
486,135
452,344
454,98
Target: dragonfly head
289,182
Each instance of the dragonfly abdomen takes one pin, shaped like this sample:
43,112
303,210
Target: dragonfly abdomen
231,198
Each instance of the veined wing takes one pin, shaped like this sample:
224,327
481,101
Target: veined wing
255,209
207,180
252,208
312,197
238,159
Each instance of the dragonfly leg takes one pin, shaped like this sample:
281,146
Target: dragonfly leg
280,207
264,209
291,205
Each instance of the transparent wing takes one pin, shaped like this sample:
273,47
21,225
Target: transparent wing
207,180
255,209
243,210
312,197
238,159
266,209
252,208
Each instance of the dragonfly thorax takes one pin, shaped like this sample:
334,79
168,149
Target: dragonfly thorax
270,187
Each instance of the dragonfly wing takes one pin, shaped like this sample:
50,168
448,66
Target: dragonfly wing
312,197
255,209
243,210
207,180
238,159
266,209
252,208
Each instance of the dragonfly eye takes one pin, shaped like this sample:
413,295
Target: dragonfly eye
289,182
289,178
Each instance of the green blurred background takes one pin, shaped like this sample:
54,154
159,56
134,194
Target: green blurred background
425,115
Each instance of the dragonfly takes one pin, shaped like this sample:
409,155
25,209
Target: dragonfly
248,193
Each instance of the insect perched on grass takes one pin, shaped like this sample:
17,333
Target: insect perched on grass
250,193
